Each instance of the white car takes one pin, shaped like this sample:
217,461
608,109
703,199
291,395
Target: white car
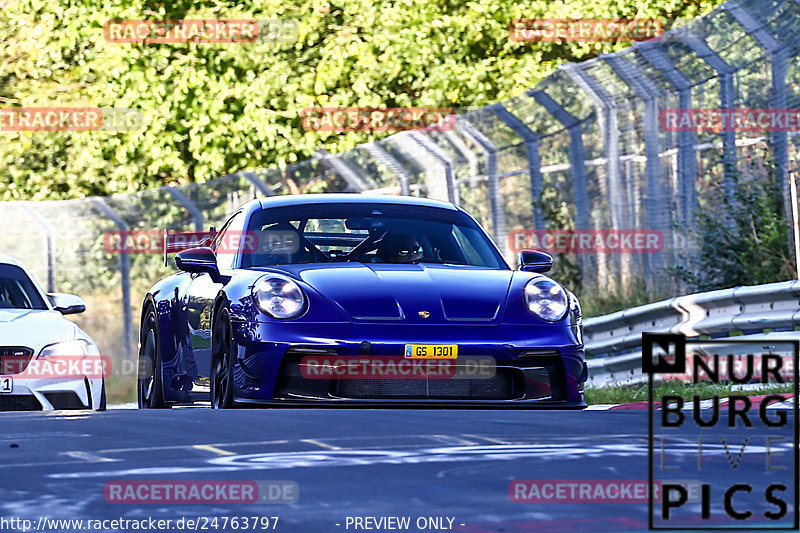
46,361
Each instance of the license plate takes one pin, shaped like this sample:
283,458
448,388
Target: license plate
6,384
431,351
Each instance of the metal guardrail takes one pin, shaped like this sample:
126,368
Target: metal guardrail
613,342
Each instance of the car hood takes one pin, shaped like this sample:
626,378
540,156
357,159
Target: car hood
33,328
377,292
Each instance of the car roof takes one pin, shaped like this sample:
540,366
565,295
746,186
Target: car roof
8,260
338,198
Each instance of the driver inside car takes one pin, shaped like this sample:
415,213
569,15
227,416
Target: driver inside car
399,248
279,244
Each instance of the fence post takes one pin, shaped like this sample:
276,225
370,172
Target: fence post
125,273
534,161
726,96
778,58
258,183
414,152
380,154
687,157
495,198
463,149
648,92
355,182
48,230
609,128
580,189
186,203
443,158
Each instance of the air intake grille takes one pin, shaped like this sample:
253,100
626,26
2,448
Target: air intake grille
503,386
14,359
64,400
19,403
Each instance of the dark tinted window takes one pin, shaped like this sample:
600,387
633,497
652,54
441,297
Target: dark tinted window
368,233
225,245
17,290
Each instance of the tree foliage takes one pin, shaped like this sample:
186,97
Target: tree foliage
213,109
741,242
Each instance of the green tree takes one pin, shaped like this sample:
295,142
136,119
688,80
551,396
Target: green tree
744,242
213,109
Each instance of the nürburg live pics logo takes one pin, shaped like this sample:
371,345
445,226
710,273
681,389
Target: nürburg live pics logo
722,432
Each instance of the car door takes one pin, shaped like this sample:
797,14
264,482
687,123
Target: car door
202,291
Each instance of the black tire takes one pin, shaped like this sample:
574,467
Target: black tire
150,392
102,397
222,362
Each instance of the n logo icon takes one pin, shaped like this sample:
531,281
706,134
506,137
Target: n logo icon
663,353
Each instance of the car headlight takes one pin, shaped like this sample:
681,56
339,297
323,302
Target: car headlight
66,349
279,297
546,299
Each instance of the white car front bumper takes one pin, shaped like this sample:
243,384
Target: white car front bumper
50,394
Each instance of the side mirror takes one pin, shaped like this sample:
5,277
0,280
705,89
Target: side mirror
533,261
66,304
199,261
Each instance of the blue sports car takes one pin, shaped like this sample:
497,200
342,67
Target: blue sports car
351,300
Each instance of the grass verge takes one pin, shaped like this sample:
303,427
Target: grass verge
706,391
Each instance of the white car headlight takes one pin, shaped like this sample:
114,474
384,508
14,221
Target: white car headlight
279,297
546,299
66,349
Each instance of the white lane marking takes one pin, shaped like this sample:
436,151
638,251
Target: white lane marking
451,439
334,458
321,444
187,446
212,449
488,439
42,435
90,457
48,463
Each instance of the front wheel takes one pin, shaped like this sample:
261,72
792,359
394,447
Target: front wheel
150,392
222,362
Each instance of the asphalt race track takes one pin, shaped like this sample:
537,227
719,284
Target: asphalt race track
456,464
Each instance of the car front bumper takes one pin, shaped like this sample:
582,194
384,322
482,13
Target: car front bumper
541,367
49,394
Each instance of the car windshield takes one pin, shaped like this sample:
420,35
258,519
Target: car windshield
367,233
17,290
